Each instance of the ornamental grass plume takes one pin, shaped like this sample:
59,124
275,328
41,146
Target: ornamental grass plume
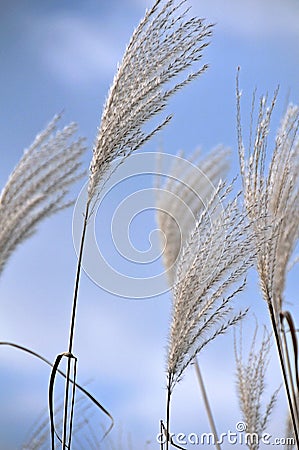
210,273
215,257
166,43
183,196
272,202
180,201
272,197
251,383
38,186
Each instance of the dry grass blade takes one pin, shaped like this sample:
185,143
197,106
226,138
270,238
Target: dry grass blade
51,399
214,260
180,201
85,434
251,375
84,393
272,201
38,185
164,45
39,434
183,196
215,257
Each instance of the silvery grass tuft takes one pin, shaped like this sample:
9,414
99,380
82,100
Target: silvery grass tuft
39,184
273,197
166,44
251,384
272,201
215,257
183,196
179,203
210,273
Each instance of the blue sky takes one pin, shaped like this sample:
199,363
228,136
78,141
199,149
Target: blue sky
62,56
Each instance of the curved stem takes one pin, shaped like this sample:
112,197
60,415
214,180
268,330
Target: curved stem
78,386
283,369
293,383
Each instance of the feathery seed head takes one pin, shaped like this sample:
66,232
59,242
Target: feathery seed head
165,44
272,197
183,196
251,383
215,258
38,185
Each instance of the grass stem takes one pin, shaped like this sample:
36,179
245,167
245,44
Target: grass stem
283,369
291,375
168,412
207,404
72,331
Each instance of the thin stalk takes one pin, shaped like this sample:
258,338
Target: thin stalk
283,369
72,327
168,412
207,404
289,369
84,391
286,315
72,404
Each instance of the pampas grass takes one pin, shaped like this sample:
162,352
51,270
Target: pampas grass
208,251
214,260
210,273
165,44
179,203
272,202
39,184
251,383
183,196
273,197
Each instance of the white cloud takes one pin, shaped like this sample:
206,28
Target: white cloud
76,50
83,49
248,18
252,18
